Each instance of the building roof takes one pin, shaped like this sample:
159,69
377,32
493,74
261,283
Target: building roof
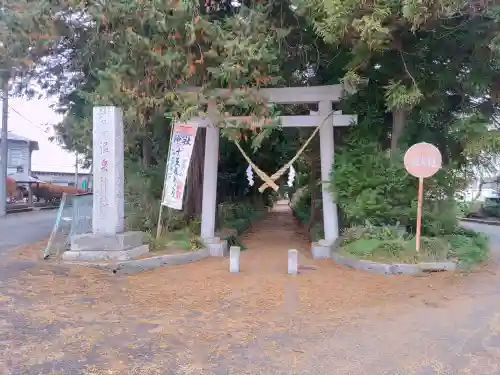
66,171
14,137
23,177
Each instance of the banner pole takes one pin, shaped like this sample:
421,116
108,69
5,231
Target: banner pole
159,226
419,212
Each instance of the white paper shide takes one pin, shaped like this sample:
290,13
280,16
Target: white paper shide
181,149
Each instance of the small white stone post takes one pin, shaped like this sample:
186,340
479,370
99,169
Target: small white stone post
108,214
330,218
293,261
234,259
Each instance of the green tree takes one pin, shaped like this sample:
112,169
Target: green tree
421,53
422,73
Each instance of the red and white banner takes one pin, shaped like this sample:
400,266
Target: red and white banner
181,149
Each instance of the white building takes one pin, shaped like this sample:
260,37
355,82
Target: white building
490,188
20,150
62,178
19,161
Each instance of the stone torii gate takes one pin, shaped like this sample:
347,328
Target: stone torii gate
324,96
108,239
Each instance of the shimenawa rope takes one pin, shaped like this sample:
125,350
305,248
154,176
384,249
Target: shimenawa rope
269,181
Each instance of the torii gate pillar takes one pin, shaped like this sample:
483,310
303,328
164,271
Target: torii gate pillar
322,249
209,197
327,152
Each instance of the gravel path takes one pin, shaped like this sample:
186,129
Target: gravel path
200,319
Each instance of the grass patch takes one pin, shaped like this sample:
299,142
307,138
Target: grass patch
184,235
395,245
181,240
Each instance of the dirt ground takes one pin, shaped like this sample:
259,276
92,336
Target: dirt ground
200,319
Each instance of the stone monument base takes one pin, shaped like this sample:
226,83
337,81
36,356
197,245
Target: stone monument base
321,250
95,247
217,247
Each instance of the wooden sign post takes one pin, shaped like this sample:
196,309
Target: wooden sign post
422,160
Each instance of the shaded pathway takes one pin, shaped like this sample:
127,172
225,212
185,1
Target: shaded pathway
269,240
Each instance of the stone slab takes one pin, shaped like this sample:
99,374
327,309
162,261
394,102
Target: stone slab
234,259
374,267
437,266
104,242
105,255
323,243
130,267
393,269
404,269
320,251
218,249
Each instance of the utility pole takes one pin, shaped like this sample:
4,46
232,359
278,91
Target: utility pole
4,150
76,171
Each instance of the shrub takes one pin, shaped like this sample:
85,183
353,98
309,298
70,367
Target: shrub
182,239
371,186
464,208
394,244
237,215
469,247
142,199
301,205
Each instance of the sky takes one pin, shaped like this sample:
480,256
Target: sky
29,118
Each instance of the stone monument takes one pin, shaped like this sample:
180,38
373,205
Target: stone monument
108,241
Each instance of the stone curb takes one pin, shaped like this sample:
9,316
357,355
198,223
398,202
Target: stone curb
29,209
479,221
19,210
133,266
129,267
393,269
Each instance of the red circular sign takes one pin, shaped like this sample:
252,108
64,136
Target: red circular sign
422,160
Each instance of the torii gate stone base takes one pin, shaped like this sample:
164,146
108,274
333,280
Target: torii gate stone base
324,96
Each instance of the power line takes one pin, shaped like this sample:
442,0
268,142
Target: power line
26,119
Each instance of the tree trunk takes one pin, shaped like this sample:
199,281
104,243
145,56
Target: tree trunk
398,127
147,151
194,187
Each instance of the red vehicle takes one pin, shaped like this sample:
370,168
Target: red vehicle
45,191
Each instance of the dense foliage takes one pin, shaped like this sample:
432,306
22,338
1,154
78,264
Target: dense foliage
423,71
378,190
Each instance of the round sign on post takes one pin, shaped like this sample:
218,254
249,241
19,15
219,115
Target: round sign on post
422,160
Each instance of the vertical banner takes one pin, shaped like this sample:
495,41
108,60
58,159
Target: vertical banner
181,149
